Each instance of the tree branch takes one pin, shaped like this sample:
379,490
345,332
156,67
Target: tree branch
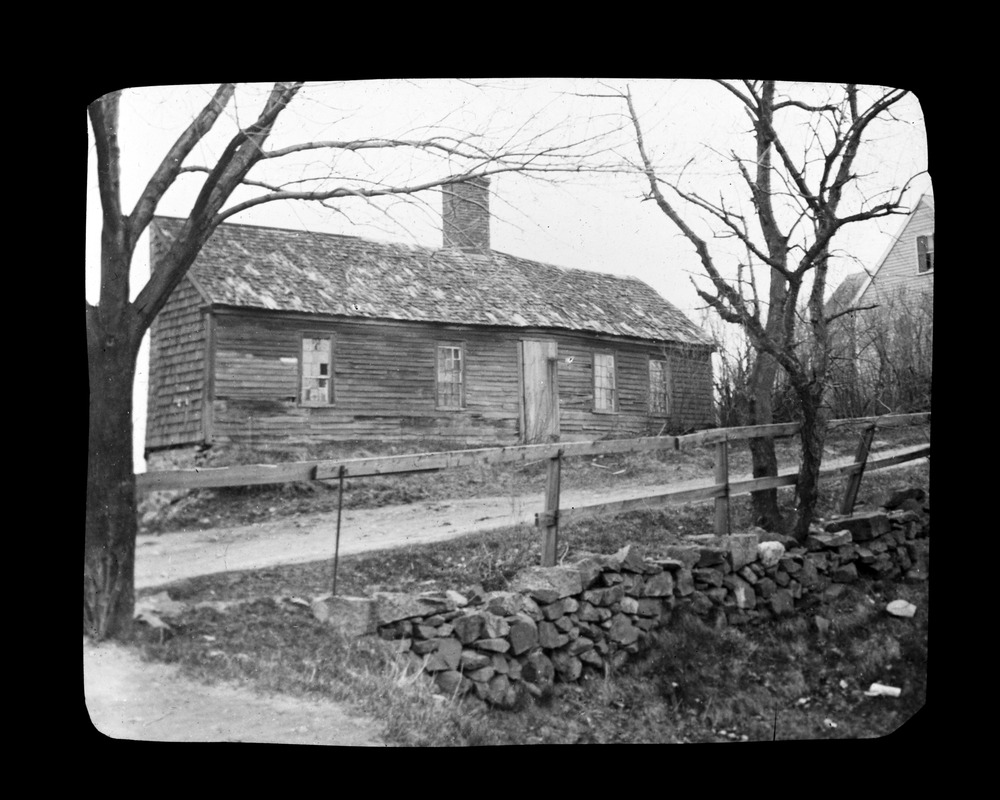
171,166
243,151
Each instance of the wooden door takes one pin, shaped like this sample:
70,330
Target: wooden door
540,391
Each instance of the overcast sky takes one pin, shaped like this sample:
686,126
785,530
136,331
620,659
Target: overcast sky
589,221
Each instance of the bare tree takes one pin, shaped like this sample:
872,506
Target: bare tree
881,356
803,162
115,325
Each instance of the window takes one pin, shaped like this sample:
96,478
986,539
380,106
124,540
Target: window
925,253
317,371
450,376
604,382
659,387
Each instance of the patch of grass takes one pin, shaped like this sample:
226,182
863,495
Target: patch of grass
700,680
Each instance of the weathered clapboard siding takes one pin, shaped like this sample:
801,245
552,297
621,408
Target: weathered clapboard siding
897,277
691,374
177,370
384,376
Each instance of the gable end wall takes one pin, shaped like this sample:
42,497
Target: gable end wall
898,273
177,371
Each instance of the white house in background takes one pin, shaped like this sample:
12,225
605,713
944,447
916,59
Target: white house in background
882,352
907,266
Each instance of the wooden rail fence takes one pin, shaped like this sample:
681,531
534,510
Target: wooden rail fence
552,516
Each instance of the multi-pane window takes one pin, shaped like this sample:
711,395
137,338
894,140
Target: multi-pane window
659,387
925,253
450,376
317,371
604,382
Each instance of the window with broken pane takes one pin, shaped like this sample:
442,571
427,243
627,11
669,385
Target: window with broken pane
317,371
659,387
450,376
925,253
604,382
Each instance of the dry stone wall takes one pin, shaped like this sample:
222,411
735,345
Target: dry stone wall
558,623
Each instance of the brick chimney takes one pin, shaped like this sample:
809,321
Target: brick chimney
465,215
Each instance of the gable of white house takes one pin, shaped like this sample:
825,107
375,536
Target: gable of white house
905,270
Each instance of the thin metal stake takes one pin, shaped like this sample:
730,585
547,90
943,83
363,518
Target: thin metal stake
336,547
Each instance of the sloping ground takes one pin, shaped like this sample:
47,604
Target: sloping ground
312,537
129,698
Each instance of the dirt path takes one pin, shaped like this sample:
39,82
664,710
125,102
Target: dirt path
169,557
132,699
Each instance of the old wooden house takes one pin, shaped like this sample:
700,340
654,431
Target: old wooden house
288,340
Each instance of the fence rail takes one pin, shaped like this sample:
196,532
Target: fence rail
549,520
721,490
257,474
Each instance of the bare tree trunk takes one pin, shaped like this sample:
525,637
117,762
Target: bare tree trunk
765,462
812,436
108,586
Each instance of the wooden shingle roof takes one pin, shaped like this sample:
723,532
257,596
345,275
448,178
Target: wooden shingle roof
319,273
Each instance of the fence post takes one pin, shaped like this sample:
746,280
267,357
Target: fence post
550,530
722,479
854,479
336,546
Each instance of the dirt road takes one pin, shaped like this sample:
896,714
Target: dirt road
131,699
169,557
165,558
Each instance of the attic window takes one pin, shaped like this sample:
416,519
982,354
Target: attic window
925,253
317,371
659,387
450,376
604,382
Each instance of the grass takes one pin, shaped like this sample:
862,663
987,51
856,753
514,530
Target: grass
697,682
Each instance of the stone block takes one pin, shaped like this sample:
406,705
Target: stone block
547,584
742,549
446,656
349,616
550,637
567,666
448,681
749,575
473,660
743,592
622,630
847,573
709,577
781,602
394,606
469,627
863,526
629,560
537,668
687,554
494,626
492,645
701,604
661,585
649,607
828,539
770,553
503,603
